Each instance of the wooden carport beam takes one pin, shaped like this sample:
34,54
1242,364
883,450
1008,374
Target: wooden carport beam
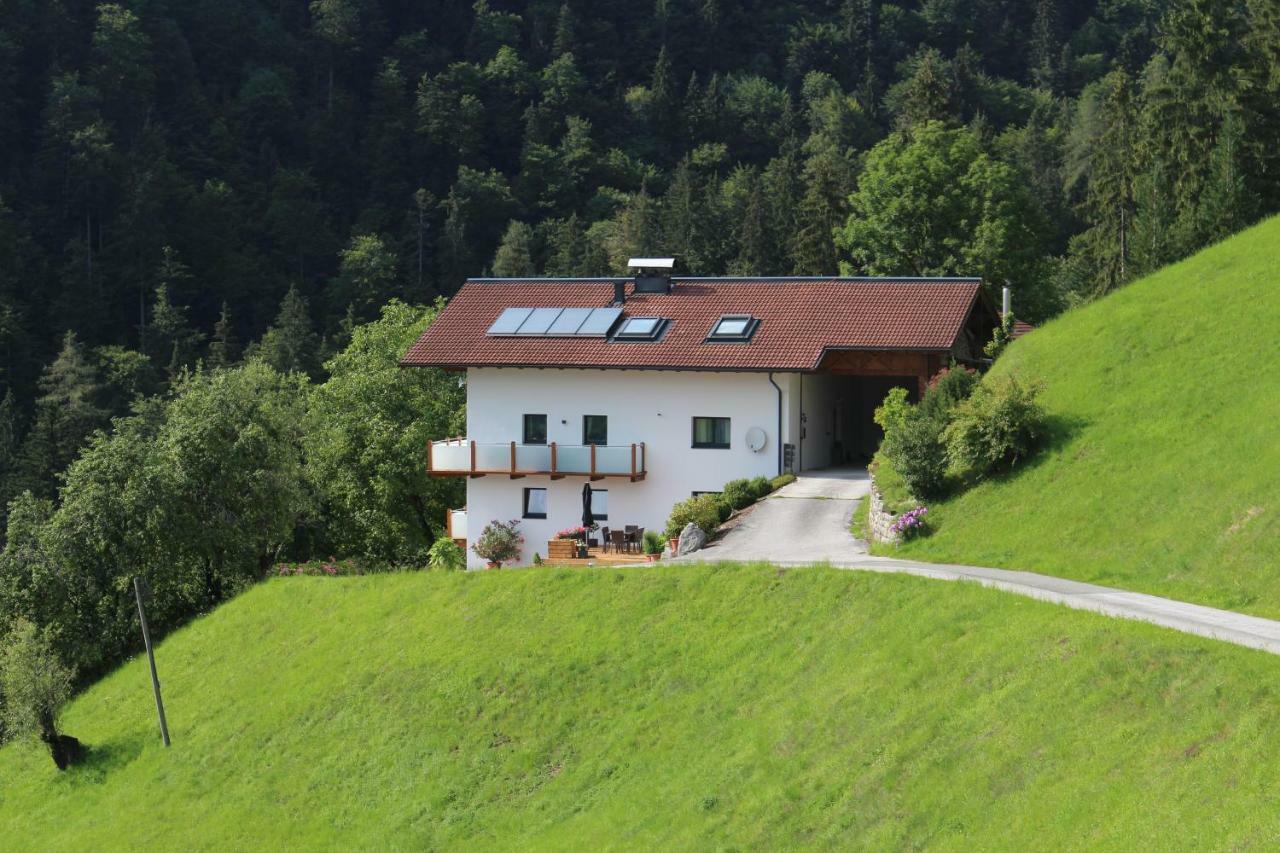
922,365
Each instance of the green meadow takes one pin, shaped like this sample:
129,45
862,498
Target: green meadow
1161,471
713,707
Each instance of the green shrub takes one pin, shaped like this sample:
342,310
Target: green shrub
759,487
946,390
893,411
723,508
35,685
653,543
781,480
1001,337
703,510
738,493
446,556
918,452
995,428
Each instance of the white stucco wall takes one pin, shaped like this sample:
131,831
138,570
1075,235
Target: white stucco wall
819,397
655,407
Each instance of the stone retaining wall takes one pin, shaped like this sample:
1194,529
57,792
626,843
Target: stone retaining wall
881,520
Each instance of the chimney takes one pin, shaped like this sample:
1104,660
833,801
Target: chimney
652,275
619,291
1006,301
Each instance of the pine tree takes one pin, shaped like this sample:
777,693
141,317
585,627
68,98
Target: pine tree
565,25
224,349
173,342
1226,205
290,345
67,412
752,253
10,445
514,258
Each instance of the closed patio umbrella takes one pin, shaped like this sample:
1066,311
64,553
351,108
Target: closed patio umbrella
587,518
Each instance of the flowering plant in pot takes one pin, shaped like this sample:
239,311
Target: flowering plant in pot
499,543
653,545
578,532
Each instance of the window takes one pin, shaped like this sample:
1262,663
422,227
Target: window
600,504
595,429
711,432
733,328
535,429
640,329
535,503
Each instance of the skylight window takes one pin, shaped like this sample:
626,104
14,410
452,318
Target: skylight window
733,328
640,329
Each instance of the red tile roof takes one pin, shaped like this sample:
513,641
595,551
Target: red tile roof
799,320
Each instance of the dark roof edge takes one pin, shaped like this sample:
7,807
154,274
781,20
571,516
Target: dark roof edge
404,362
763,279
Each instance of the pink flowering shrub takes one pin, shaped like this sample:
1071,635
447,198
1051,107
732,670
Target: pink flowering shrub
578,532
911,523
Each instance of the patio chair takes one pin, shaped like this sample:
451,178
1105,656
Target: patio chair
604,539
618,540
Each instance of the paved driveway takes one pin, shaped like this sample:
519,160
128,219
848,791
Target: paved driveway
808,522
804,522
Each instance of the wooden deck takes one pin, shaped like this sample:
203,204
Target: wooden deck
599,558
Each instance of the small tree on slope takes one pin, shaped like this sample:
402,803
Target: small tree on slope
35,684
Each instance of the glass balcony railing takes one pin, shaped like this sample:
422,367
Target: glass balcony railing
459,457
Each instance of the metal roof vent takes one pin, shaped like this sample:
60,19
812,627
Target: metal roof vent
652,275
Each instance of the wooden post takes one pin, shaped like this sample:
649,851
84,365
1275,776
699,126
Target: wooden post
633,463
593,461
513,457
473,457
553,458
138,587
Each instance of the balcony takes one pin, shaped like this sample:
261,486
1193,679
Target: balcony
458,457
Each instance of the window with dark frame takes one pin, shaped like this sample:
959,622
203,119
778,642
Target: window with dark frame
535,429
711,433
535,503
595,429
733,328
600,504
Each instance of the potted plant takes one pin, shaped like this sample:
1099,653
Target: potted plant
499,543
653,546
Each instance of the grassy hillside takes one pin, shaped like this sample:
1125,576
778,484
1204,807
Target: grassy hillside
1163,475
680,708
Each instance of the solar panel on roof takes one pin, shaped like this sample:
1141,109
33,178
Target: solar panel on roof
509,320
600,322
569,321
539,321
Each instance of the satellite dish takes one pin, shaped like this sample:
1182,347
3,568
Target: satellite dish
756,439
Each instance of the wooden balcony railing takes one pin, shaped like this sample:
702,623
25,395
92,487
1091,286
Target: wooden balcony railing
459,457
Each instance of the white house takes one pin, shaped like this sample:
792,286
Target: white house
654,388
